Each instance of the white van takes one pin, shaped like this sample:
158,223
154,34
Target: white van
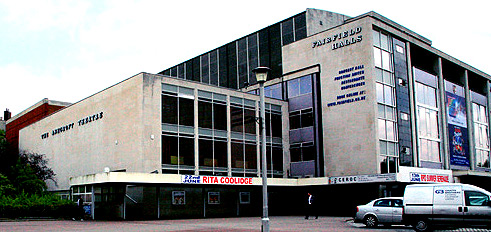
456,205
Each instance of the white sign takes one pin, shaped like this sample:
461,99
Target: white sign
388,177
227,180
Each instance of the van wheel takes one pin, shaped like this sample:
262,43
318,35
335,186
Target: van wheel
422,225
370,221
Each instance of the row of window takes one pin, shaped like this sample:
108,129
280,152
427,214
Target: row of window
230,65
178,108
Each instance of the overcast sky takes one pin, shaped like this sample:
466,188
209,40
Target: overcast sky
68,50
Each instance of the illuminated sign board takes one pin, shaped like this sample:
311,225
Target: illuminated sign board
223,180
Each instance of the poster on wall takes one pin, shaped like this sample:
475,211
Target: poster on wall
178,197
457,130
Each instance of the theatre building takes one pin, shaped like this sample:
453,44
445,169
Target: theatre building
356,108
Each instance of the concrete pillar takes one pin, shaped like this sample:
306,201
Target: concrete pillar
442,114
470,124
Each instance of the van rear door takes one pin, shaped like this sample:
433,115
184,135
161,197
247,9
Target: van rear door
448,204
477,210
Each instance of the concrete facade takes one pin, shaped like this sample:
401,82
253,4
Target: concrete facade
374,115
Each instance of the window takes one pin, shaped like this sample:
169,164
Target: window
427,123
299,86
178,197
177,105
301,118
397,203
382,203
274,91
205,112
474,198
386,98
214,198
481,137
245,197
302,152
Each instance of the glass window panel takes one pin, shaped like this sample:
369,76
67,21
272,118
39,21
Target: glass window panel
186,151
386,60
423,149
276,124
388,78
250,121
186,112
220,116
220,153
390,113
237,155
295,153
206,153
422,121
277,159
380,93
383,165
390,130
435,151
388,95
381,111
383,147
483,119
379,75
169,149
308,152
382,134
307,118
205,114
434,124
391,149
376,38
420,92
475,112
384,41
295,121
250,156
305,84
293,88
377,57
237,118
431,97
169,109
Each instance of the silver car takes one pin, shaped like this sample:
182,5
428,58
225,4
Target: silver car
385,211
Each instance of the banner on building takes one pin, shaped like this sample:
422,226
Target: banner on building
457,130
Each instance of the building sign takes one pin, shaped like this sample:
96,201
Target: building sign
225,180
388,177
341,39
350,80
69,126
457,129
431,178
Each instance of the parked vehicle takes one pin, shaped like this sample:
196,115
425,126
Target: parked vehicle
455,205
385,211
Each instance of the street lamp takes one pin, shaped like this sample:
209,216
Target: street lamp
261,77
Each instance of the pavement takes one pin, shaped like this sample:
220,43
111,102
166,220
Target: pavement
277,224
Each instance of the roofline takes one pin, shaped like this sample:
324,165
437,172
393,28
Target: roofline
38,104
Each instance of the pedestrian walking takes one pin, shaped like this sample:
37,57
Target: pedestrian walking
310,208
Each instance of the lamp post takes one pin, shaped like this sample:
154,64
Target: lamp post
261,77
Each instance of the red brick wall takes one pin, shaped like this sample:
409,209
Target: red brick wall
12,129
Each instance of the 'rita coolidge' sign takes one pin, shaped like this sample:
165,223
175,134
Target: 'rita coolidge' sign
340,40
70,126
190,179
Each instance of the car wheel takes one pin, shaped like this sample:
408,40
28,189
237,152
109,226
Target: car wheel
370,221
422,225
